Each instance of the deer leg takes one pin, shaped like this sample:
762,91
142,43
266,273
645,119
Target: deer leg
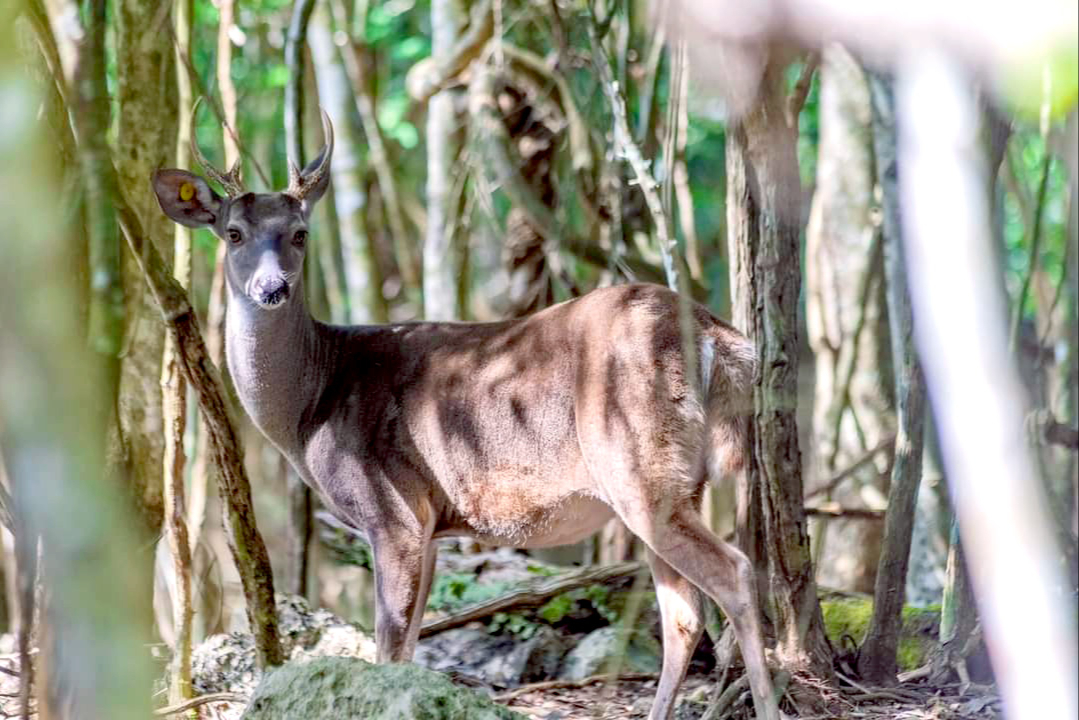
404,566
724,573
681,613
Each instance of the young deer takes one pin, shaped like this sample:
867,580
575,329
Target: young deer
528,432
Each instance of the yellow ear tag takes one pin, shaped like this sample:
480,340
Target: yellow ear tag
187,191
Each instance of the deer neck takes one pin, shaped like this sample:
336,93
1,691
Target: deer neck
275,358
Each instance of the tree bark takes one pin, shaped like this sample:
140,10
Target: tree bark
877,660
763,221
174,405
440,267
248,549
146,134
847,322
299,494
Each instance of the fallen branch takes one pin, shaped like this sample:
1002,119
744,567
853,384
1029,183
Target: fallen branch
834,510
201,700
568,684
532,597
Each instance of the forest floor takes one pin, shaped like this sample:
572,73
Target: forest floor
631,700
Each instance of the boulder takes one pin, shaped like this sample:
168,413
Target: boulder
502,660
226,663
339,688
607,648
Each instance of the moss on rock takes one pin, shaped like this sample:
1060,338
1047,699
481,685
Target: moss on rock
335,688
848,617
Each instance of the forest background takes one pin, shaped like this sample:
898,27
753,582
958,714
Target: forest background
490,161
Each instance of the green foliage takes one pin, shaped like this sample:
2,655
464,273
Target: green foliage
347,549
453,591
598,596
514,623
1048,81
1025,161
847,619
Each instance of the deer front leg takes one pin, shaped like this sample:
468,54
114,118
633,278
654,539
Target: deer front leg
404,567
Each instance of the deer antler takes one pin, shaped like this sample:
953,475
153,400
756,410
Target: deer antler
230,181
301,182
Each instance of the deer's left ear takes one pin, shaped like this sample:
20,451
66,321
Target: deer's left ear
186,198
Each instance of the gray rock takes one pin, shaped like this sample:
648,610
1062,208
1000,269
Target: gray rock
226,663
343,688
603,649
500,660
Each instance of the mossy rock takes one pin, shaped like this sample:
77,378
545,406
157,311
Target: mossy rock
848,617
340,688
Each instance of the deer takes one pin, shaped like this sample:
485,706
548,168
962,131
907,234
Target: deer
529,432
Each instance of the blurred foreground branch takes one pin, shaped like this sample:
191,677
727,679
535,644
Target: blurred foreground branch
1001,516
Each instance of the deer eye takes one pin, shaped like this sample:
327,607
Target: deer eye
234,236
299,238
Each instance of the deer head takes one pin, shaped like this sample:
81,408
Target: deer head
265,233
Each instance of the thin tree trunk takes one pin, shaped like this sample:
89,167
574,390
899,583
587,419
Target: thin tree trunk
877,660
763,218
248,549
146,135
174,405
225,86
408,260
440,267
847,324
299,527
294,96
362,275
146,97
215,350
299,494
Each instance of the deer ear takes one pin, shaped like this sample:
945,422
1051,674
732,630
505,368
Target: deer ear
186,198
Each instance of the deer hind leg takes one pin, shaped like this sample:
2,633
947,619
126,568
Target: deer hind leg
722,571
682,614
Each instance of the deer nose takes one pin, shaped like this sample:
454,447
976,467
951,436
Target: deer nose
271,290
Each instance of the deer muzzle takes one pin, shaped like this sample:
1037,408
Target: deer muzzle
270,291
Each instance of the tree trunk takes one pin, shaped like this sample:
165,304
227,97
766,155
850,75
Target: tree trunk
847,321
174,404
763,220
362,275
877,661
299,494
146,98
440,267
245,542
